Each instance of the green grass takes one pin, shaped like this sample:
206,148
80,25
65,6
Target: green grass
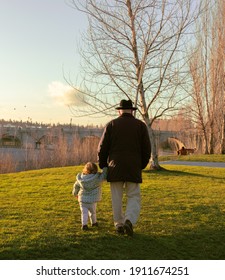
182,217
193,157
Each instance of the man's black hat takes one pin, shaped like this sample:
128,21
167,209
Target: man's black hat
126,104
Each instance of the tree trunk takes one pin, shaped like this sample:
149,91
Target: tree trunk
154,161
223,137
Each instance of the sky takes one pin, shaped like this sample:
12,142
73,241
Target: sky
39,46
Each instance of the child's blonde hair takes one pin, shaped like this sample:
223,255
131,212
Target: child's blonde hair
90,168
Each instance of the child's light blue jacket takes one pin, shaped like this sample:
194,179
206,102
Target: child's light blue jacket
88,187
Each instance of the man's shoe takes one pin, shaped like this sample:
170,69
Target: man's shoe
95,224
128,228
120,230
85,227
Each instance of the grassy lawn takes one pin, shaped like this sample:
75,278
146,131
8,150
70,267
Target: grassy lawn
182,217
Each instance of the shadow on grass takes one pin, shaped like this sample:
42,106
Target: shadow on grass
199,245
166,172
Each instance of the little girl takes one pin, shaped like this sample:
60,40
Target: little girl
88,188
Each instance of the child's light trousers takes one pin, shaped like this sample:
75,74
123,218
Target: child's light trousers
88,210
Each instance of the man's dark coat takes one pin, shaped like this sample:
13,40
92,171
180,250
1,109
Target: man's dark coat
125,148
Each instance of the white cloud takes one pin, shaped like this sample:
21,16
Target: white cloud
65,94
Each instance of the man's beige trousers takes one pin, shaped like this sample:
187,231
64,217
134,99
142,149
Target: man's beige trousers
133,202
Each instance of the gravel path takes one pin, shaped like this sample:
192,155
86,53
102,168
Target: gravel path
194,163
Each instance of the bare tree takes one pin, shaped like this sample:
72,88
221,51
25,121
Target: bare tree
207,70
135,49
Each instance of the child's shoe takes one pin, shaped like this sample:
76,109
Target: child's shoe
95,224
84,227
